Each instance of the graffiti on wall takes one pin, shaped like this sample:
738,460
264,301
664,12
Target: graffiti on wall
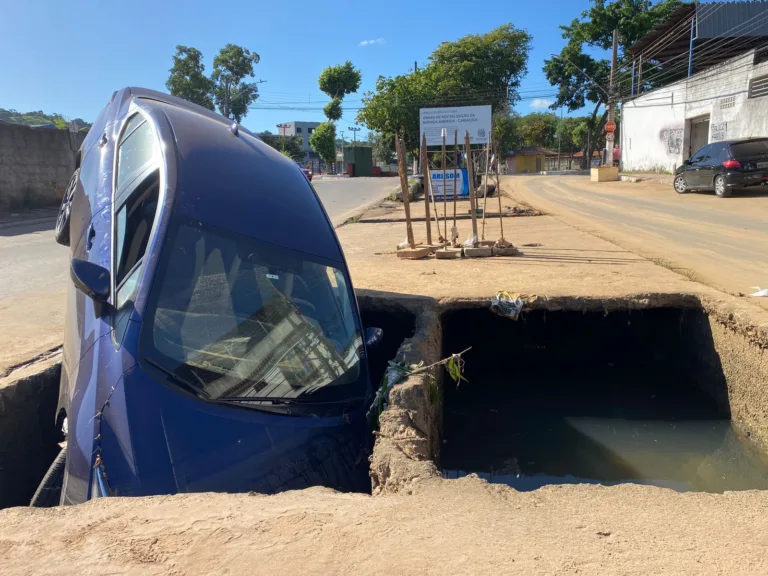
672,139
719,131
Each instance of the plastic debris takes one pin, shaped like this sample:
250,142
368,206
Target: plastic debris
471,242
504,304
763,292
403,244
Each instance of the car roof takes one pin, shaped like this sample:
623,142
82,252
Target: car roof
227,177
741,140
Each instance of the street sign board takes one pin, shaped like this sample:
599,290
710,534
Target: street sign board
609,137
473,119
445,188
610,126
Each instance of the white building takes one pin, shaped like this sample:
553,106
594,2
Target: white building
661,128
303,130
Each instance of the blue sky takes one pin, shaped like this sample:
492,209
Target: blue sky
69,57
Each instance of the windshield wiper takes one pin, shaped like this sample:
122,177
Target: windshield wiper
272,400
178,379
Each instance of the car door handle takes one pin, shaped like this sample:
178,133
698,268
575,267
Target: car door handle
91,236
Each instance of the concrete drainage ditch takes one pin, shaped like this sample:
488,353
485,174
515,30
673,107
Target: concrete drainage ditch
665,390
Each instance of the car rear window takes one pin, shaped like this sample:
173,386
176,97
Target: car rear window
751,148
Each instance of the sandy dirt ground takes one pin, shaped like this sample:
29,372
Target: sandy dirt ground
722,242
444,527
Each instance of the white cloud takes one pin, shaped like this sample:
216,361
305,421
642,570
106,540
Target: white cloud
372,42
541,103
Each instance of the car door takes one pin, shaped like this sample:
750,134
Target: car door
710,164
693,176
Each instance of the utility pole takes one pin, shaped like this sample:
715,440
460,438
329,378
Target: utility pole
282,128
608,161
559,138
415,66
355,130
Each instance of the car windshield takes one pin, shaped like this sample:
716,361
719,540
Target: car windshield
750,148
242,320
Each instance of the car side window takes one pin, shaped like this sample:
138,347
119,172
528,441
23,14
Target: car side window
702,155
136,202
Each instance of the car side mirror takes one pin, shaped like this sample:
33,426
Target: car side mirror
91,279
373,336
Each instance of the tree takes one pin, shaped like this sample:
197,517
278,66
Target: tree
483,68
323,141
582,77
476,69
506,133
291,146
187,77
538,129
383,147
231,67
336,82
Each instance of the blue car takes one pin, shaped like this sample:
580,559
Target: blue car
213,341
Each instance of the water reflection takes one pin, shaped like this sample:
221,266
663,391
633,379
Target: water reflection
529,452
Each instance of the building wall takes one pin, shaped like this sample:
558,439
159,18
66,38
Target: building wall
657,126
290,129
34,164
522,164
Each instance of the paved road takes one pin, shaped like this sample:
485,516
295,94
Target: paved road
33,269
721,242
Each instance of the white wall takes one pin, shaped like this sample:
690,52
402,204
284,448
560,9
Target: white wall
655,132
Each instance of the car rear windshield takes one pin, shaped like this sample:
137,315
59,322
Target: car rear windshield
237,318
750,148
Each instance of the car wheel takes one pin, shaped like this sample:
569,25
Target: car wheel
65,211
721,189
48,494
680,186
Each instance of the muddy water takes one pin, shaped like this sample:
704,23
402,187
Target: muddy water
644,427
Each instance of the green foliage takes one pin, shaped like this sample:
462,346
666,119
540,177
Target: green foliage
383,147
187,77
338,81
332,110
38,117
506,133
538,129
288,145
476,69
323,141
231,67
482,68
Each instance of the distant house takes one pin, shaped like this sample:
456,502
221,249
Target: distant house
528,159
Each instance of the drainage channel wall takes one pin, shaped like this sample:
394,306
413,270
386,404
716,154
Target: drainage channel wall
407,447
28,434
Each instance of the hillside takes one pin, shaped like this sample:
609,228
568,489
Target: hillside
39,117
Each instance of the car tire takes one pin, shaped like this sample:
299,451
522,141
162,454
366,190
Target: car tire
48,494
721,189
61,233
679,185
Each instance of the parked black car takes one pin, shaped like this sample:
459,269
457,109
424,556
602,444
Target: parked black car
723,166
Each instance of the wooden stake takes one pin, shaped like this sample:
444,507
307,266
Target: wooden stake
434,203
425,176
498,193
485,192
403,170
455,192
471,178
445,193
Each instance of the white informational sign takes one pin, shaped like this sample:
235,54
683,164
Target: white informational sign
473,119
440,187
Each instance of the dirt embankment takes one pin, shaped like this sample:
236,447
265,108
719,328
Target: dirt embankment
445,527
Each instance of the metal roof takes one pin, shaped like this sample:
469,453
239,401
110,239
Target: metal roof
723,30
